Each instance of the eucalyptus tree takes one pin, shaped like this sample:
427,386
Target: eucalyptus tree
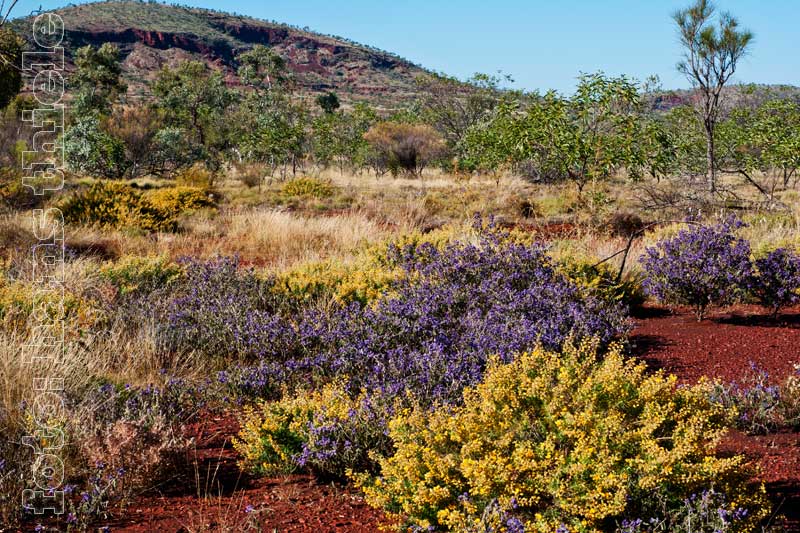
453,106
586,137
195,99
762,144
711,54
97,80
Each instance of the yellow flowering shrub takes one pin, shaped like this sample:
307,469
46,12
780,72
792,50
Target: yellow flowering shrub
272,433
117,205
601,280
308,187
326,430
19,301
364,281
564,438
104,204
131,273
196,175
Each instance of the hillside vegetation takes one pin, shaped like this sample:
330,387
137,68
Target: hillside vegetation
151,35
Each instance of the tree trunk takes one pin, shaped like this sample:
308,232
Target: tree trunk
710,156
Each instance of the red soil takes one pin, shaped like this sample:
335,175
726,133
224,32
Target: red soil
722,346
229,501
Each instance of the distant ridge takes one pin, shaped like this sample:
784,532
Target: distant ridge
151,35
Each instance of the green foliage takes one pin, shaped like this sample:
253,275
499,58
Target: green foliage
92,151
97,80
452,107
328,102
195,99
272,129
583,138
340,137
262,69
762,144
10,57
564,438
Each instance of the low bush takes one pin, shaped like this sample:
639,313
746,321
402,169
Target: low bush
195,176
307,187
19,302
364,282
104,204
134,274
222,312
328,432
758,406
775,282
701,266
14,195
706,512
116,205
453,308
563,442
601,281
790,399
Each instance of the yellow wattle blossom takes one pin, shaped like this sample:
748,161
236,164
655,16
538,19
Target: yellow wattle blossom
569,436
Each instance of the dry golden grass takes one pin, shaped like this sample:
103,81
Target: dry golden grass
265,237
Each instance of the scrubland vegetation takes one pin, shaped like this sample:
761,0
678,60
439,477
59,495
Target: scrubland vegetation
431,304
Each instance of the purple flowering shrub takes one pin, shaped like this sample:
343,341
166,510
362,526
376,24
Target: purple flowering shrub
700,267
223,312
455,308
775,282
102,494
706,512
759,406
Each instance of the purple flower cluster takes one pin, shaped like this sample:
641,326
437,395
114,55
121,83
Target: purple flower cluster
222,311
177,401
776,280
706,512
457,307
337,444
700,267
757,403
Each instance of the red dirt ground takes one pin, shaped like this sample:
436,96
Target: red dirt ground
230,501
722,346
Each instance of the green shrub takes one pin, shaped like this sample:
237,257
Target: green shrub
561,438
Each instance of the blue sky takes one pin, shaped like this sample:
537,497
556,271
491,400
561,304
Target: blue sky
542,44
